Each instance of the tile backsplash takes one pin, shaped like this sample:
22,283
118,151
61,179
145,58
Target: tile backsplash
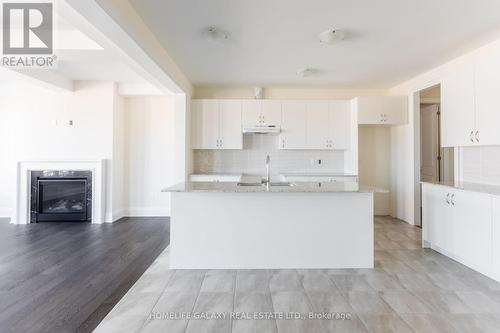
251,160
481,165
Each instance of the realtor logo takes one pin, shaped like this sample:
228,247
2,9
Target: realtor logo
27,37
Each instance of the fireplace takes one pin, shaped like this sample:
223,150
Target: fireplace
61,196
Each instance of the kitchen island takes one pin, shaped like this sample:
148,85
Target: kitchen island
224,225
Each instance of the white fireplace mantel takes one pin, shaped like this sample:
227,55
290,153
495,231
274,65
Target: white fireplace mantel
23,191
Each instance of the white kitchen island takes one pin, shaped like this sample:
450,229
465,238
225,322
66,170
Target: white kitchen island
308,225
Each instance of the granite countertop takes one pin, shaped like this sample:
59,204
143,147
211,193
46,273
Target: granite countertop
467,186
313,187
319,174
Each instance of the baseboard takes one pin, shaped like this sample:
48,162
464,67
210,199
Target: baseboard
5,212
148,211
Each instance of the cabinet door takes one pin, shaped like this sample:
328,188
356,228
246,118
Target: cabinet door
293,125
457,105
340,124
496,236
487,83
370,110
395,110
472,226
318,129
437,217
251,112
230,133
383,110
205,124
271,112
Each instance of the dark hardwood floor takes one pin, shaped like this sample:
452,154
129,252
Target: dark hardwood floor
65,277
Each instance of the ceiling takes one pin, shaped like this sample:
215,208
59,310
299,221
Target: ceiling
387,42
81,58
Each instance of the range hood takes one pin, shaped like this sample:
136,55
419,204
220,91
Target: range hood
262,130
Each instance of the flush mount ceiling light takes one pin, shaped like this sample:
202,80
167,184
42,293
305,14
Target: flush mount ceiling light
215,34
331,36
305,72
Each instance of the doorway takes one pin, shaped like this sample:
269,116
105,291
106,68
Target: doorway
436,162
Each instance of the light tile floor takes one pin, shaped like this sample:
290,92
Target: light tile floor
409,290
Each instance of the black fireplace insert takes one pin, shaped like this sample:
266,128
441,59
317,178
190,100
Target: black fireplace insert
61,196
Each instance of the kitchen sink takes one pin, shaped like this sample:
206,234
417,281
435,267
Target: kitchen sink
270,184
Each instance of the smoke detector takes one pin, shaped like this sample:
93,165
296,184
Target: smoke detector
214,34
331,36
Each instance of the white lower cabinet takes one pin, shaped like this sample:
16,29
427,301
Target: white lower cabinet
458,224
495,236
437,216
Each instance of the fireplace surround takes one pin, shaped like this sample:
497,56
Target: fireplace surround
61,196
22,211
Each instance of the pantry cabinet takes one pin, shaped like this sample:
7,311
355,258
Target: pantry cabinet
382,110
216,124
458,224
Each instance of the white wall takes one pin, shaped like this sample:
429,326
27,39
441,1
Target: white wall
119,161
133,135
375,163
30,132
481,165
149,154
405,151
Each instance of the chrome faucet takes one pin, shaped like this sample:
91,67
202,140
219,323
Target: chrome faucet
268,171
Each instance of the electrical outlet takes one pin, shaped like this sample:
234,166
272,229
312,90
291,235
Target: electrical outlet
312,162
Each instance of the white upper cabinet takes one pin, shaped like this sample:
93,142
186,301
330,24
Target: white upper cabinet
470,111
257,112
271,112
304,124
216,124
315,125
382,110
457,106
230,135
251,112
487,84
340,120
205,124
293,125
318,130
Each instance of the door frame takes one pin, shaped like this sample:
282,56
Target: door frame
417,198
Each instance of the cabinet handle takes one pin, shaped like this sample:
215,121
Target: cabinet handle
477,136
470,136
448,198
451,199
